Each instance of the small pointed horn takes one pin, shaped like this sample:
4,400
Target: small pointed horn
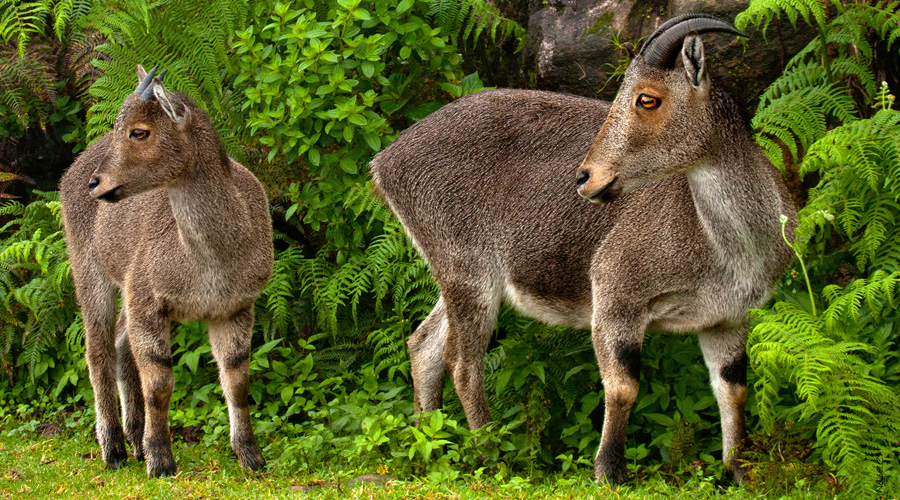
147,94
662,45
146,82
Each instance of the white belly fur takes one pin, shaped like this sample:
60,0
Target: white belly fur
553,313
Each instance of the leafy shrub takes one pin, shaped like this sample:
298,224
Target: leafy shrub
842,362
326,89
190,39
40,336
45,72
467,19
315,90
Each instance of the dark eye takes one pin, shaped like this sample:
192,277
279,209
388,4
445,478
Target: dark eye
648,102
139,134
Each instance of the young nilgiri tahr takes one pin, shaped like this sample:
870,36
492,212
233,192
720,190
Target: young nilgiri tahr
683,235
158,211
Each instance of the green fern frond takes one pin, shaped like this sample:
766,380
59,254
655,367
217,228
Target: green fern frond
467,19
36,288
22,21
761,13
860,184
191,39
795,109
857,413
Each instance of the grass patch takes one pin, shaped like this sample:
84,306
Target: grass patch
50,461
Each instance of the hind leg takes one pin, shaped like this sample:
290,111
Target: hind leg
471,310
130,394
426,355
97,300
725,353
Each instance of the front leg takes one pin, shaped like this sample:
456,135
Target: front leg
148,332
617,336
725,353
230,342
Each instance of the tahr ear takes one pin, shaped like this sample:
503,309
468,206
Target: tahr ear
170,107
694,60
141,72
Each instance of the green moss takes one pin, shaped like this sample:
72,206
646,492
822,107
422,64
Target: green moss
602,24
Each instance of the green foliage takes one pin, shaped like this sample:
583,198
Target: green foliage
368,422
548,377
389,270
327,88
331,84
190,39
812,95
859,167
20,21
40,336
38,69
26,86
843,366
842,363
306,92
762,12
280,315
467,19
794,111
45,467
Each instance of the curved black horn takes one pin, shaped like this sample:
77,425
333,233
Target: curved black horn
145,83
662,45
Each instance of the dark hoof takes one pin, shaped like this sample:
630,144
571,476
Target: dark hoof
116,457
161,463
112,446
161,468
609,468
737,473
115,462
612,477
250,456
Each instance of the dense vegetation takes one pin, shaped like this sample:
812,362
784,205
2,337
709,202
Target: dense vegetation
304,93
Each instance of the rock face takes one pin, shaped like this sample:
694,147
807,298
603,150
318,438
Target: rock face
576,46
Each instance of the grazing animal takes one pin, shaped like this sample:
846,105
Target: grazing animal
156,209
683,235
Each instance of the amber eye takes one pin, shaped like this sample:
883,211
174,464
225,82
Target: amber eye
647,102
139,134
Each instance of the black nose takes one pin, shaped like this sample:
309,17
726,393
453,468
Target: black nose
582,177
93,183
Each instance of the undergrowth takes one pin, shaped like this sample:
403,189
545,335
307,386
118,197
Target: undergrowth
305,93
838,124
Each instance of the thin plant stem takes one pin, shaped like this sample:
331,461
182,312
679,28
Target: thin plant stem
812,300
